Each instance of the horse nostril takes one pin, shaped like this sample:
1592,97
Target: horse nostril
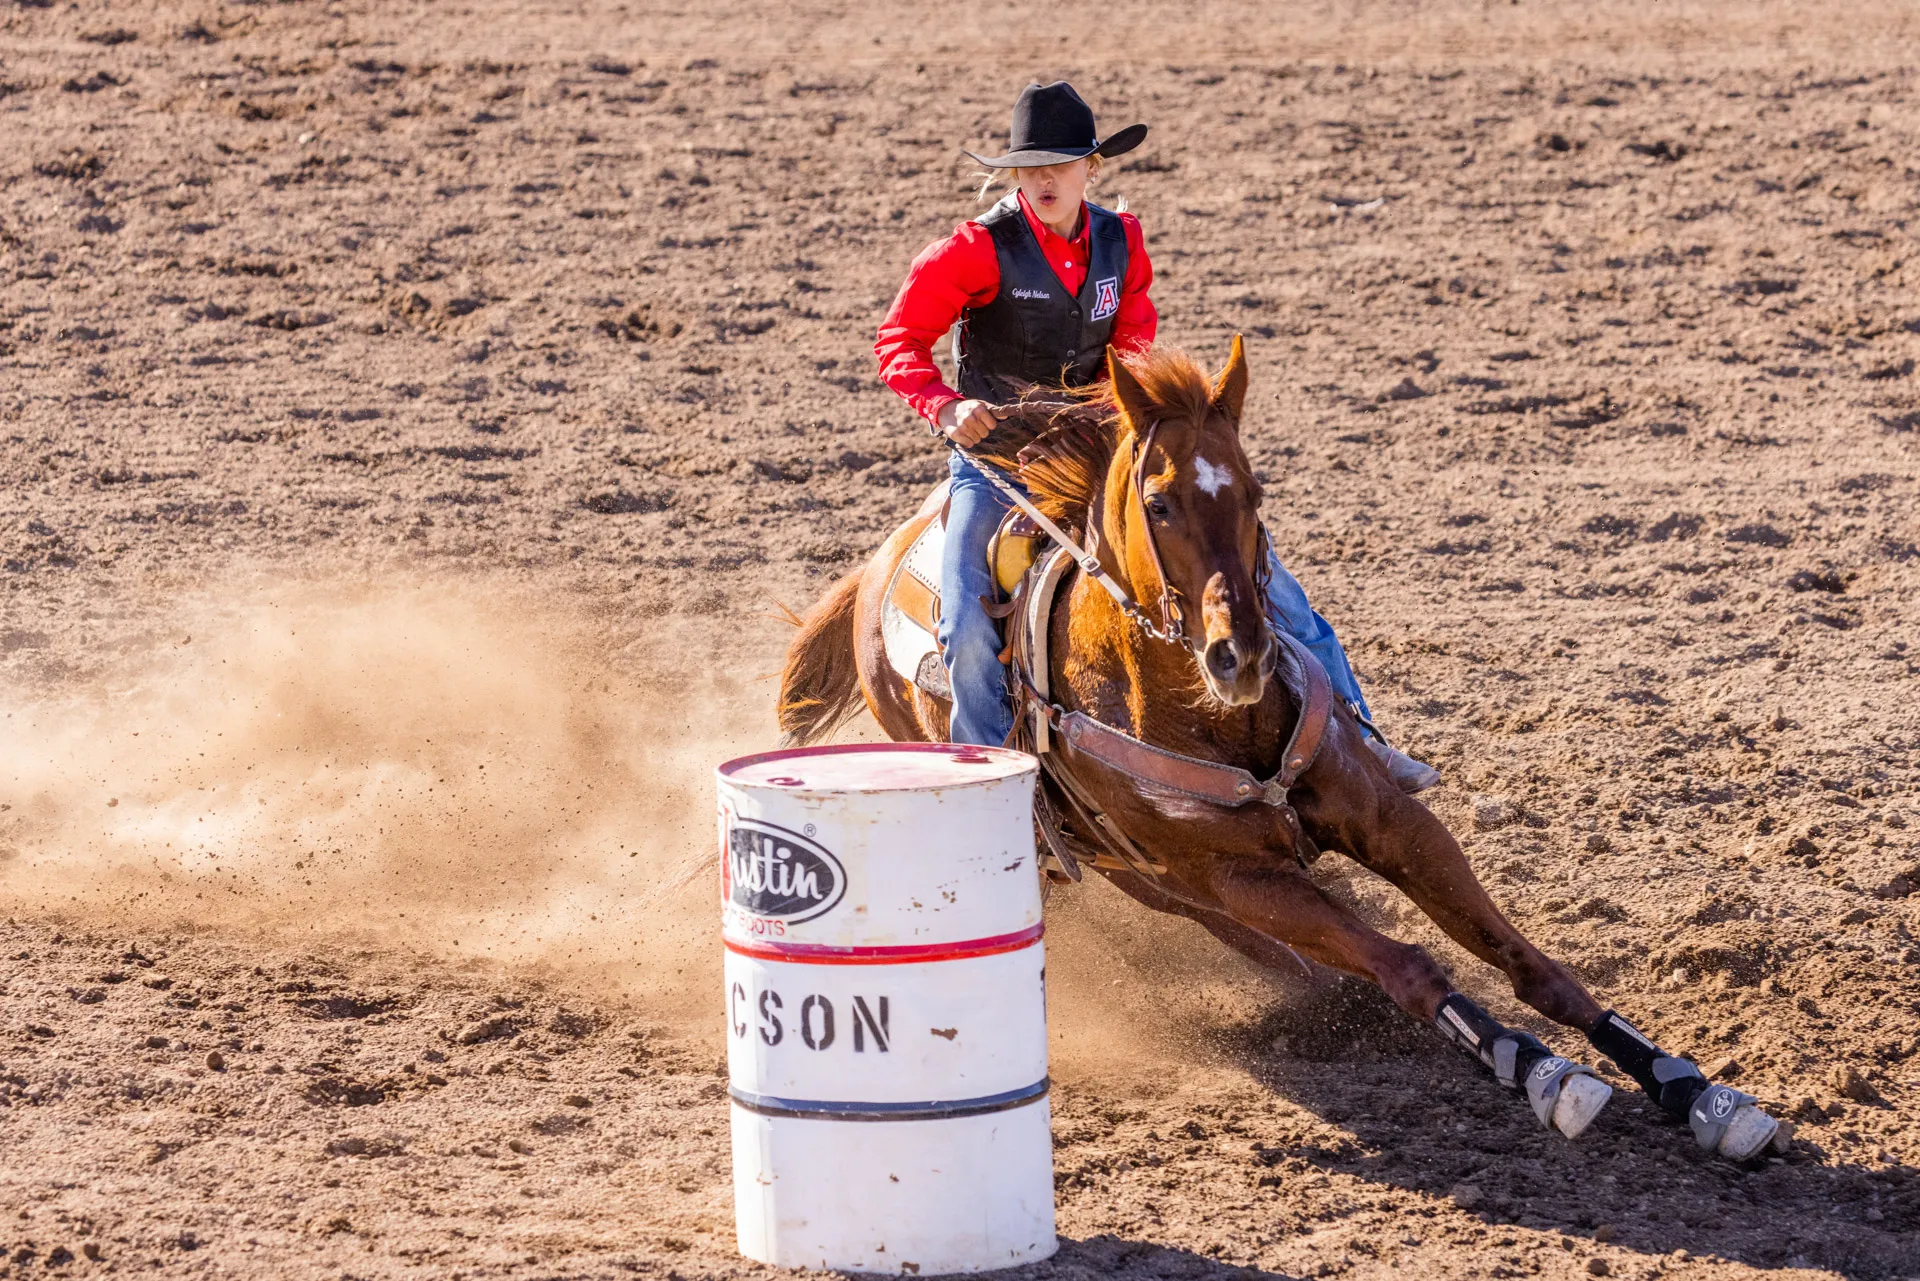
1222,659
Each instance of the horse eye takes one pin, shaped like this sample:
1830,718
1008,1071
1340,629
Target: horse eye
1157,507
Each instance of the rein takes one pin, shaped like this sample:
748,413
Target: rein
1088,562
1172,628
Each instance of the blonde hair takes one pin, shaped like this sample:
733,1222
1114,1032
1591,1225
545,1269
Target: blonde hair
989,178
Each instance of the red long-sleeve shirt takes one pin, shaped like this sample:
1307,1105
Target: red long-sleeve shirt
963,272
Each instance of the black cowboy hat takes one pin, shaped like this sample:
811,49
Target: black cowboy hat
1053,125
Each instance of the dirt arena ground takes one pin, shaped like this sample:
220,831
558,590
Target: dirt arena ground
410,415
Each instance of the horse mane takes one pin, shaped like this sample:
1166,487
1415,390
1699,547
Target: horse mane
1060,441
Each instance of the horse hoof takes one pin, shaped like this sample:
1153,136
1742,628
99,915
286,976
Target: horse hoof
1581,1098
1748,1133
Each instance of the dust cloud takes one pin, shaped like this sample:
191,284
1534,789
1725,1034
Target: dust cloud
1132,993
447,768
470,774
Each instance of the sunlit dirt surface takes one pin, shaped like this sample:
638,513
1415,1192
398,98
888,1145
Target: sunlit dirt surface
411,416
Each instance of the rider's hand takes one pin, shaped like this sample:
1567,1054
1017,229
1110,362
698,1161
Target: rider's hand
967,422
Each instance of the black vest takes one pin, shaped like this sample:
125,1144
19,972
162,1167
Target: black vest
1034,329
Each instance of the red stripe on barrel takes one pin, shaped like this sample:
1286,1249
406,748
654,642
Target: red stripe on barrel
824,954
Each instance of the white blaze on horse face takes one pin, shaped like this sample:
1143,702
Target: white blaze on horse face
1210,478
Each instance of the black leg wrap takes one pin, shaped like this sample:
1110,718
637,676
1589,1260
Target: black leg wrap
1671,1082
1510,1054
1468,1026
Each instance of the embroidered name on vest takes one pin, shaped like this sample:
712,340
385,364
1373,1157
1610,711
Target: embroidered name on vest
1035,293
1107,300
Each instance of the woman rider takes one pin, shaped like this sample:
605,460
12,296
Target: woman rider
1037,288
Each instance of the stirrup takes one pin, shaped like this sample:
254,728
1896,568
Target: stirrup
1366,722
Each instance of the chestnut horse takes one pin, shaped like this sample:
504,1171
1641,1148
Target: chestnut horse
1147,472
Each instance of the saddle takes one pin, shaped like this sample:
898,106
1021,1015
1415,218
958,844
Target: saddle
910,617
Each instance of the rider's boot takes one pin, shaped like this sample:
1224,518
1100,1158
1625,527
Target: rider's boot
1411,775
1287,609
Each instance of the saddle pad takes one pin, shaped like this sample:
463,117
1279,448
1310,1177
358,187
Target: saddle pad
916,585
911,610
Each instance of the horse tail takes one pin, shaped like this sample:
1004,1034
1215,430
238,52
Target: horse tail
820,686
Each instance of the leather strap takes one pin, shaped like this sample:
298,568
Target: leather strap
1121,852
1035,639
1226,785
1173,614
1088,562
1050,834
1207,780
1122,855
1314,691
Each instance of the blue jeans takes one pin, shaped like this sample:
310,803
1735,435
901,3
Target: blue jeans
1287,607
970,641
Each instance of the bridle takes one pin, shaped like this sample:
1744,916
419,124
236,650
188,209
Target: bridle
1199,778
1202,779
1173,611
1172,627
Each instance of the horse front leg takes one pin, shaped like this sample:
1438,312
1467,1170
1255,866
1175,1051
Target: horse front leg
1398,838
1722,1119
1395,836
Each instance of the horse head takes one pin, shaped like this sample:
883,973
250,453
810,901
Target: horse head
1181,509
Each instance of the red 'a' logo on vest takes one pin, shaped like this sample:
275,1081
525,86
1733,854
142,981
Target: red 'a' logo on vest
1107,300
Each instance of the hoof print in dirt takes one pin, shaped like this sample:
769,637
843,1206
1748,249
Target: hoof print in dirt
1807,580
498,1027
332,1091
578,1024
620,502
375,1146
641,324
1490,813
290,319
559,1123
345,1005
1759,535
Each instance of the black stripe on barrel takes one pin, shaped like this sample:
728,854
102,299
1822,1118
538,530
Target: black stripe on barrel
931,1110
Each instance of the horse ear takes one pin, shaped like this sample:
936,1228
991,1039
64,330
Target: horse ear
1135,404
1230,388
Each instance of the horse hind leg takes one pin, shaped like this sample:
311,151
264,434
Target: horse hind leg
1566,1096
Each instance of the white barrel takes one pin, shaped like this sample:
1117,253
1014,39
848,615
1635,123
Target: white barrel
886,1009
